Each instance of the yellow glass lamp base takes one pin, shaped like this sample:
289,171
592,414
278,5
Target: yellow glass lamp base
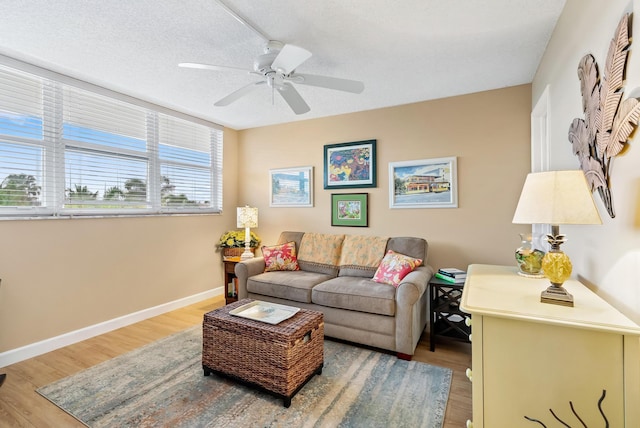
556,266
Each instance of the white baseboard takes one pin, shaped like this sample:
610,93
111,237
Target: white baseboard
34,349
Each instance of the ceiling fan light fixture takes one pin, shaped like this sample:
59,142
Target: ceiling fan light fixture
262,64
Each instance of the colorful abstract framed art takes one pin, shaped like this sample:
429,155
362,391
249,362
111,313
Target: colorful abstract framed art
350,165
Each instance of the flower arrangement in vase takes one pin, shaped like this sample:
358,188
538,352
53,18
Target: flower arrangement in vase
232,242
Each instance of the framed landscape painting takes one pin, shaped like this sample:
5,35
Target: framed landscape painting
350,165
350,209
291,187
426,183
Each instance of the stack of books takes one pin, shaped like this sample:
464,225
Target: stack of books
452,275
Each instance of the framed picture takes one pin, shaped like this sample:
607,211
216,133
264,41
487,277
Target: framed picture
291,187
350,165
349,209
427,183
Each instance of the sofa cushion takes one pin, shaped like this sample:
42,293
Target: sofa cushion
357,294
361,255
291,285
280,257
394,267
320,252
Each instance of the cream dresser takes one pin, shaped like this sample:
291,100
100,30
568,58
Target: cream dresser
530,357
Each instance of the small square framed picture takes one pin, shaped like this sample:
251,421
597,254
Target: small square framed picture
350,209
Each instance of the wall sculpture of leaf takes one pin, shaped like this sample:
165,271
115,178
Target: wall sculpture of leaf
608,121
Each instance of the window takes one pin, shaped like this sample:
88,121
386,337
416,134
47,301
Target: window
66,150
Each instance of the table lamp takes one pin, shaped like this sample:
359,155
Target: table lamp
247,217
555,198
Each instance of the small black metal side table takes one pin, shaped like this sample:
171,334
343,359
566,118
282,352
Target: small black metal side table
446,317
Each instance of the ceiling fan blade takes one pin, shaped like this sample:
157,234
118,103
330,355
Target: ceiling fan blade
210,66
236,95
293,98
345,85
289,58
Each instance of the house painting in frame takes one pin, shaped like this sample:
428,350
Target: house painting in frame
427,183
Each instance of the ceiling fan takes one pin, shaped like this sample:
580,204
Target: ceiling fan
277,67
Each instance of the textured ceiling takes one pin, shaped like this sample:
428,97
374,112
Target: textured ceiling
404,51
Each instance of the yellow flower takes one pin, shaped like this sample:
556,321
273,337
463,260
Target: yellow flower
235,239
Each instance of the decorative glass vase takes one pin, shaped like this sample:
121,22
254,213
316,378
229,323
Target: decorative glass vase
529,258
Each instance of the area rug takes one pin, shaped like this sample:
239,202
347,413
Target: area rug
163,385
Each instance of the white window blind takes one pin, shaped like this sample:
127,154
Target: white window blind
22,146
185,154
106,153
66,150
21,94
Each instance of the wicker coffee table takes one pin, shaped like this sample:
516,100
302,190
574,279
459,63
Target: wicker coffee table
278,358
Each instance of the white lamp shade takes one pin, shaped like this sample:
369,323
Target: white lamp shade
556,197
247,216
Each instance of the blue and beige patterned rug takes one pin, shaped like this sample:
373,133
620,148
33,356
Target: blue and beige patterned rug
162,385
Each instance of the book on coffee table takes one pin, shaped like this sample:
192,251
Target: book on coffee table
271,313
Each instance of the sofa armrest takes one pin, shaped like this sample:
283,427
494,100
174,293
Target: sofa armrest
414,285
246,269
411,308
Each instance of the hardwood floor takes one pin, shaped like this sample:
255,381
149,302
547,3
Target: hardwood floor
22,406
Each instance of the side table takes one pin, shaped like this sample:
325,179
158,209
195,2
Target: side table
446,318
231,289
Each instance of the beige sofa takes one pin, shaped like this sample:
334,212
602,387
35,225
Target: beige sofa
336,279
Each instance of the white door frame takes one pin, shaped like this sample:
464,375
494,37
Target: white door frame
540,155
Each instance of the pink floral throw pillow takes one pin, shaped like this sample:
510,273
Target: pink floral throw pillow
393,267
280,257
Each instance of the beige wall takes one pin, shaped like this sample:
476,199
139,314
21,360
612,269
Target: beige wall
607,256
62,275
489,133
59,276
